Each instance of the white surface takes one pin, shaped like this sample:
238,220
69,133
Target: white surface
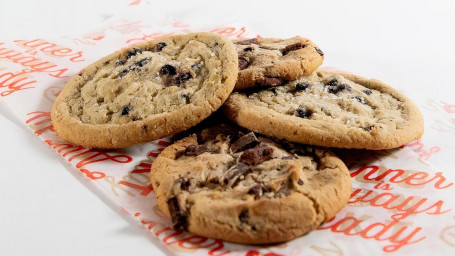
408,44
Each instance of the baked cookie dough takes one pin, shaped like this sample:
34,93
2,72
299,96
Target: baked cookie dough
331,110
147,91
271,61
235,185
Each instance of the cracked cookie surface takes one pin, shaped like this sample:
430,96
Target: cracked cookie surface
331,110
272,61
146,92
232,184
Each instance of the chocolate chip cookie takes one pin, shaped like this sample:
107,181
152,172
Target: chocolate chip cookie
331,110
270,61
235,185
147,91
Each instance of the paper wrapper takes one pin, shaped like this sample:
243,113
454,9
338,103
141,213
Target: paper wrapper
400,204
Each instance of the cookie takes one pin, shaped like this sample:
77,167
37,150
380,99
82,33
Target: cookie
270,61
238,186
331,110
146,92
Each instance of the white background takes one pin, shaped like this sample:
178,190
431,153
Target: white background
408,44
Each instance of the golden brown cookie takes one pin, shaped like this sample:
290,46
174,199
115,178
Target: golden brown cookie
331,110
235,185
146,92
271,61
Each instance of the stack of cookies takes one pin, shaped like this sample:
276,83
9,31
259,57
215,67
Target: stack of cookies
267,175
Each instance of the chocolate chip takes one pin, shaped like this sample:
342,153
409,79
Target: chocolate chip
142,62
367,92
334,87
184,183
256,190
119,62
195,150
303,112
126,110
178,216
168,70
243,63
301,86
292,47
273,81
235,173
300,182
244,216
133,52
248,41
246,141
257,155
319,51
144,128
107,62
248,49
159,46
182,76
360,99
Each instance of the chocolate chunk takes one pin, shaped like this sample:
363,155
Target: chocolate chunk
186,98
244,216
248,41
292,47
210,134
234,173
367,92
106,62
184,183
168,70
182,76
290,157
178,216
159,46
272,81
303,112
248,49
256,190
126,110
300,182
273,90
319,51
257,155
332,82
195,150
301,86
368,128
119,62
123,72
214,181
133,52
334,87
246,141
243,63
142,62
360,99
